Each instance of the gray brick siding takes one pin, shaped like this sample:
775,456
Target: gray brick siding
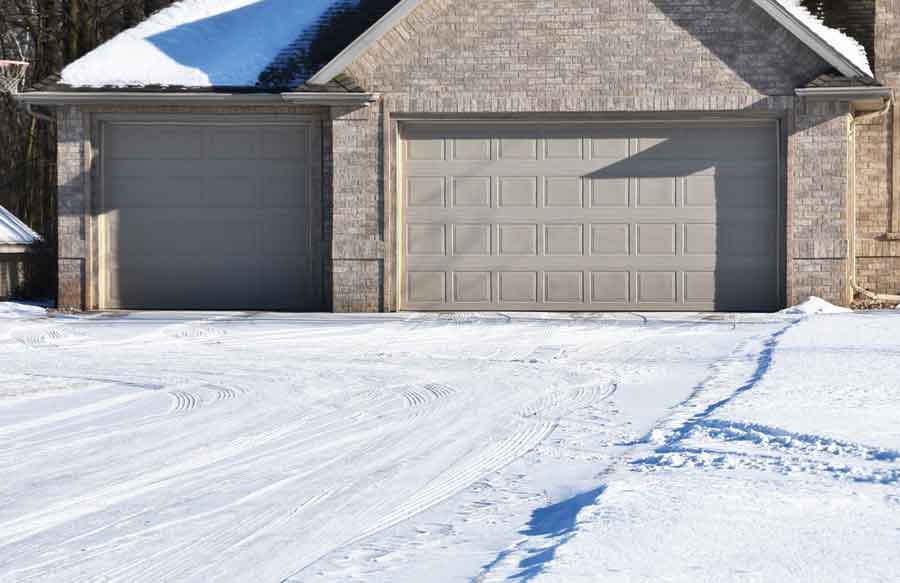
73,151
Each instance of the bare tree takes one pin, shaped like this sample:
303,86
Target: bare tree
49,34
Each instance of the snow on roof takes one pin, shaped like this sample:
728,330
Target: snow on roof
15,232
199,43
844,44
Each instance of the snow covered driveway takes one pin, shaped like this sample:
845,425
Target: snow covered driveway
260,447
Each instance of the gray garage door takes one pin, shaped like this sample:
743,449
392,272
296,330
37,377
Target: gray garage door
582,217
212,216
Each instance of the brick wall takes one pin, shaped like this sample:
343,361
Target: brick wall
357,218
574,55
818,203
73,152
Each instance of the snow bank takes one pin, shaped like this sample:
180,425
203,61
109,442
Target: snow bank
842,43
15,232
815,305
198,43
13,310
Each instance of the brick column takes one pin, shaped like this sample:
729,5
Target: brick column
818,203
357,189
72,207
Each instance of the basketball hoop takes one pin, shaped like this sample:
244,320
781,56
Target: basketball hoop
12,75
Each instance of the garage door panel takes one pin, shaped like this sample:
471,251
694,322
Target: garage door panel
517,239
657,286
124,192
231,229
611,239
472,287
470,149
427,286
591,217
563,191
148,282
470,192
563,239
154,143
611,192
426,239
472,240
289,143
518,287
564,287
173,232
518,192
610,287
237,143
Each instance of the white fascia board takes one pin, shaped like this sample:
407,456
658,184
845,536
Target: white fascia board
816,43
337,65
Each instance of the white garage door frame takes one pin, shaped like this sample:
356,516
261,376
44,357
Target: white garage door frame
97,227
400,123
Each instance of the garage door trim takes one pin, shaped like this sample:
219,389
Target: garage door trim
401,125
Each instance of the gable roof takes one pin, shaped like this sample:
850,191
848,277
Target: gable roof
838,49
281,44
15,232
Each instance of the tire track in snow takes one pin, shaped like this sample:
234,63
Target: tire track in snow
164,565
183,401
46,336
55,418
302,431
428,394
455,479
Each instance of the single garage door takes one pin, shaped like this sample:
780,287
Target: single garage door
211,216
590,217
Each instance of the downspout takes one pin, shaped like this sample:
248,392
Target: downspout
854,120
37,115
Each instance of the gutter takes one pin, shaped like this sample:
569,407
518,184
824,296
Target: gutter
187,98
845,93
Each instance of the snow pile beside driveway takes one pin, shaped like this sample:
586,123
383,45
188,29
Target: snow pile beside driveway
252,448
13,310
815,305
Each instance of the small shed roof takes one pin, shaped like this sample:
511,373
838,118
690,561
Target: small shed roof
15,232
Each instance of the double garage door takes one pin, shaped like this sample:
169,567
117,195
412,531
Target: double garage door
590,217
212,215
